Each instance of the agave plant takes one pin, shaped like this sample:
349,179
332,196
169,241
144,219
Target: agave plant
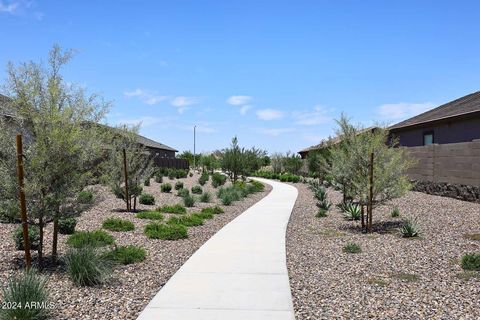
410,229
321,194
352,211
344,205
324,204
314,185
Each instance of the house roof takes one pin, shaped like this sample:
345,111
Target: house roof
331,141
459,107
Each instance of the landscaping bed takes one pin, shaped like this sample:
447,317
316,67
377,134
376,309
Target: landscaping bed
392,277
131,286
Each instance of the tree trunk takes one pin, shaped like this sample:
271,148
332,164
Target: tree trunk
363,216
370,198
55,239
135,204
40,242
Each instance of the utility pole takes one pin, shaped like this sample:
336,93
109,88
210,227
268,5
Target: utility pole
23,206
194,147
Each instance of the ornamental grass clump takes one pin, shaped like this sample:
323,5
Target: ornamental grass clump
87,266
97,238
192,220
471,261
25,297
127,254
183,192
395,213
321,213
166,187
147,199
410,229
213,210
117,224
170,231
176,209
197,190
151,215
218,179
189,201
67,225
206,197
178,185
203,178
352,248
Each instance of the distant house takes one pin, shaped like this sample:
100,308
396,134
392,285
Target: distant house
453,122
328,142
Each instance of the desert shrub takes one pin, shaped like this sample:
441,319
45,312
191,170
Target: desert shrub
146,183
147,199
97,238
183,192
158,178
353,211
152,215
471,261
206,197
178,185
28,289
203,178
325,204
410,229
87,266
127,254
218,179
67,225
321,213
189,201
165,231
9,211
257,185
171,175
85,197
395,212
192,220
166,187
197,190
352,248
288,177
33,236
176,208
227,199
117,224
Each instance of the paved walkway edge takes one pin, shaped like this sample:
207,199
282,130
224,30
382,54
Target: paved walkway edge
239,273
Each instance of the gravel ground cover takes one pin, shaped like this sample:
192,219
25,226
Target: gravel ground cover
393,277
132,286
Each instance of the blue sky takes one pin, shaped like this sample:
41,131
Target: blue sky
274,73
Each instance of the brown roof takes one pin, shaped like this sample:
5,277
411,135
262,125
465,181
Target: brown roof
462,106
326,142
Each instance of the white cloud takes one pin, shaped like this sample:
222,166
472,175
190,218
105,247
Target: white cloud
244,109
143,121
181,102
275,132
401,111
319,115
238,100
9,8
269,114
145,96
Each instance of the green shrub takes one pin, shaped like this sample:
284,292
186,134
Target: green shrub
353,211
206,197
213,210
29,294
183,192
146,183
471,261
166,187
147,199
165,231
203,178
192,220
87,266
325,204
218,179
85,197
352,248
189,201
33,237
176,208
152,215
97,238
322,213
127,254
205,214
67,225
395,212
158,178
257,185
227,199
117,224
178,185
410,229
9,211
197,190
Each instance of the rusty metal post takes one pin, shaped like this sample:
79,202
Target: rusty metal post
23,205
127,198
370,198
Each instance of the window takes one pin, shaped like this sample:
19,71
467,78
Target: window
428,138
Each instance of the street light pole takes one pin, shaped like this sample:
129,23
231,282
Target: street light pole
194,147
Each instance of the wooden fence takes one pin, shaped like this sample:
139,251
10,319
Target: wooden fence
455,163
171,163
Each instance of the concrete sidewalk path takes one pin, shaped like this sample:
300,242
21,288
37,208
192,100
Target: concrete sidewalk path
240,273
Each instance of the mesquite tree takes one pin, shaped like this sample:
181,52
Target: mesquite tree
59,148
351,165
138,160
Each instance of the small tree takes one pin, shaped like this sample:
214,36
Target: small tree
276,161
139,164
351,165
59,147
292,163
209,162
232,160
